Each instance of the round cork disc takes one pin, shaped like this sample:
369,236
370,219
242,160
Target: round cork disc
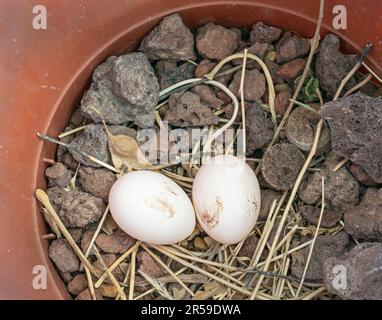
301,128
281,165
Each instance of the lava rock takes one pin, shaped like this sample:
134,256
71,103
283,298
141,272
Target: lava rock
123,89
301,129
372,197
216,42
326,246
63,256
97,182
361,175
259,128
85,241
186,110
262,33
58,175
258,49
229,109
329,217
77,118
108,260
76,208
148,265
205,66
207,96
267,198
78,284
118,242
249,247
69,161
292,69
86,295
281,165
93,141
290,47
361,268
282,102
341,188
66,276
134,80
364,222
165,65
224,97
171,39
101,98
273,67
170,74
356,127
224,79
76,233
332,66
254,84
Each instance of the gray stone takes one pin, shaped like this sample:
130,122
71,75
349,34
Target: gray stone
364,222
329,217
216,42
362,269
341,188
356,128
93,141
254,85
290,47
171,39
326,246
58,175
170,74
124,89
97,182
185,110
76,208
259,128
63,256
332,66
262,33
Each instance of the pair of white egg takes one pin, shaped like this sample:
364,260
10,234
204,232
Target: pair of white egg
225,198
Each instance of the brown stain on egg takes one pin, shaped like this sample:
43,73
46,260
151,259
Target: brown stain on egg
170,189
211,219
251,207
161,205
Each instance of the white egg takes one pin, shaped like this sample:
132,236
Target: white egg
226,198
151,207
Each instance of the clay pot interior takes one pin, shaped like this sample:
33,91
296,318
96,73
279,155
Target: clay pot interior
194,14
129,41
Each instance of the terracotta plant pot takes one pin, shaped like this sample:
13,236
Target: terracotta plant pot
44,72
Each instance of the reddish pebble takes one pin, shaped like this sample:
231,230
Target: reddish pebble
292,69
